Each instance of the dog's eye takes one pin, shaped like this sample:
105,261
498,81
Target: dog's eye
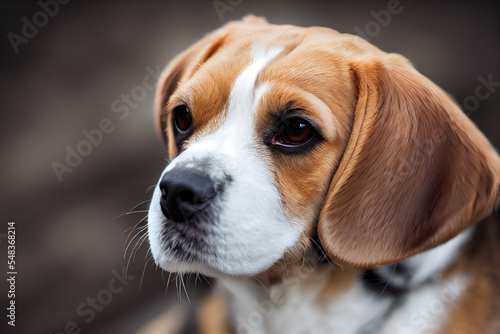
182,118
296,131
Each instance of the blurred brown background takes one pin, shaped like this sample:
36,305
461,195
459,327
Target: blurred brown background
66,77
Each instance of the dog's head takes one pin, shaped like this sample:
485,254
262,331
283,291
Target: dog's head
278,133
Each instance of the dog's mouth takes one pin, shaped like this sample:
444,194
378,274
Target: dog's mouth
188,240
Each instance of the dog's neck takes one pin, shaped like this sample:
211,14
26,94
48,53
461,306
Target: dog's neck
331,299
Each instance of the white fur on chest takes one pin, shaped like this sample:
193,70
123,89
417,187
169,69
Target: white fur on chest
297,310
296,306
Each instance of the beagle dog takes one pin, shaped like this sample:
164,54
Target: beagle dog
326,185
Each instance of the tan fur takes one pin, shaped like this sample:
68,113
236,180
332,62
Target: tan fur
213,316
338,282
479,309
472,313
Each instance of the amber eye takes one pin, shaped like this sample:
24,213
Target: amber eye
296,131
182,118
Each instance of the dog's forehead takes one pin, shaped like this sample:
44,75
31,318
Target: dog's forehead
232,126
225,88
247,64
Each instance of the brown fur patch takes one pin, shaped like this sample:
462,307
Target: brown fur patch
338,282
473,310
478,311
214,317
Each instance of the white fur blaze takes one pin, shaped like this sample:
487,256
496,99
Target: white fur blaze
249,230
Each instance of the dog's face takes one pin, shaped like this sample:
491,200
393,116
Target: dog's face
276,133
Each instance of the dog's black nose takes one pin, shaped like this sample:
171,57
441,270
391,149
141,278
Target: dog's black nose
185,192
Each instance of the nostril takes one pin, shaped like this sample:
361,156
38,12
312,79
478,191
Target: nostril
164,192
187,196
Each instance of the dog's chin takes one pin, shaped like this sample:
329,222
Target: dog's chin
190,268
209,269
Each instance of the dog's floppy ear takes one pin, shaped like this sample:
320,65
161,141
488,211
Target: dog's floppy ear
180,70
415,171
